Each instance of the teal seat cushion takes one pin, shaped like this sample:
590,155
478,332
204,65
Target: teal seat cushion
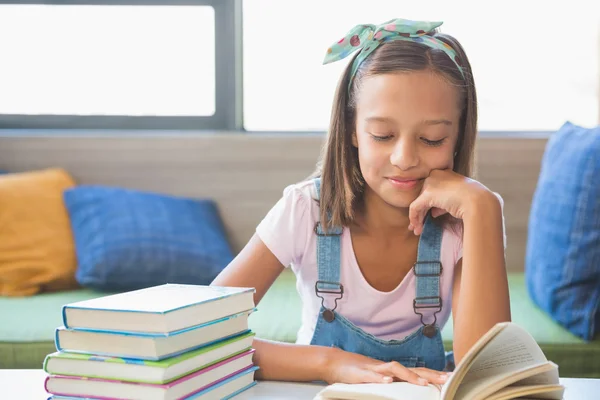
28,334
28,323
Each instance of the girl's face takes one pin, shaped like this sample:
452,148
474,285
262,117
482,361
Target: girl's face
406,126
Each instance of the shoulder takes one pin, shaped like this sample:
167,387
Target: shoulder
287,227
300,199
304,191
298,202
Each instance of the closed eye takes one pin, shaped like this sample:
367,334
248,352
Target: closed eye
433,143
380,138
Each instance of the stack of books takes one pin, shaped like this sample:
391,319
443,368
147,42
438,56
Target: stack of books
164,342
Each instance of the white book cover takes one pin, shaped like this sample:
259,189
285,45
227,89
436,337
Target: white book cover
159,309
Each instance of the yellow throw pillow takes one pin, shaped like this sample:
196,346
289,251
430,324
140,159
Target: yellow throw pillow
37,250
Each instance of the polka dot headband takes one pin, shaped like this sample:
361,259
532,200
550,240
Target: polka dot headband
366,38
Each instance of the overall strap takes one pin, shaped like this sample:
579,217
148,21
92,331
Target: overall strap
428,268
328,255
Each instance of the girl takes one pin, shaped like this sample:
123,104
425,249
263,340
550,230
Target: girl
391,235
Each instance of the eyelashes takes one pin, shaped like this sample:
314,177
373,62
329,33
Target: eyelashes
380,138
432,143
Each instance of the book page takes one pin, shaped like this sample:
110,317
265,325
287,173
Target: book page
379,391
550,392
510,350
544,378
484,387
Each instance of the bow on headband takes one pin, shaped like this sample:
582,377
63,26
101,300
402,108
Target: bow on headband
366,38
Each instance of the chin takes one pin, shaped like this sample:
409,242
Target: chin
398,199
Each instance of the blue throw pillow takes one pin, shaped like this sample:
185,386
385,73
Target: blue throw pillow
562,266
127,239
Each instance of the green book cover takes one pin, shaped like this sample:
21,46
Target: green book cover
157,364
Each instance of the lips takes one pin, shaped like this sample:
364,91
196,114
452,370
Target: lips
403,179
403,183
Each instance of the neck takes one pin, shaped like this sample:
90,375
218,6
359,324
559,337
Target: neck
377,217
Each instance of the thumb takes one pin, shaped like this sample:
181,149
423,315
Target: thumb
436,212
417,211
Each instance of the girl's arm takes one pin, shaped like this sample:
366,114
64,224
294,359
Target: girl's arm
480,296
480,293
256,266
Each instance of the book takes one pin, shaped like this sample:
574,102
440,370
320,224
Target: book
142,371
179,389
505,363
150,346
158,309
223,390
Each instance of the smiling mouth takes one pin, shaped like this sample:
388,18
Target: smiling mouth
403,183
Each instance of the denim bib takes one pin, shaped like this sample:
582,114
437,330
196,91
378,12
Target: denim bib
423,347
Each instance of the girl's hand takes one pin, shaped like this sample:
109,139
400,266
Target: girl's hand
346,367
445,191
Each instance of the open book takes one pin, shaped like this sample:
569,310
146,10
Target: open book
506,363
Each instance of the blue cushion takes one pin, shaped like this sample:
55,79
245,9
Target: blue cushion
562,266
127,239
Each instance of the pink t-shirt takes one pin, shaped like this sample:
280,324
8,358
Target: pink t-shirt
287,230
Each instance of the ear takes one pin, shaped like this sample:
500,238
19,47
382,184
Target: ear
354,140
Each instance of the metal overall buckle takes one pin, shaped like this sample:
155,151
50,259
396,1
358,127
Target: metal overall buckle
328,314
335,231
430,329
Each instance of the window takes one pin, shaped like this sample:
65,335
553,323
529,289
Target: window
535,62
179,64
100,64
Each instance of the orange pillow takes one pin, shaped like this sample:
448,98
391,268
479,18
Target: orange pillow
37,250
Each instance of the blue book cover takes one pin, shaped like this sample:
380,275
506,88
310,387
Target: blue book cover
147,345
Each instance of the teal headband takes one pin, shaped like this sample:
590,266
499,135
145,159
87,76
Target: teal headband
366,38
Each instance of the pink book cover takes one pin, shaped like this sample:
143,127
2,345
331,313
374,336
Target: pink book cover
165,386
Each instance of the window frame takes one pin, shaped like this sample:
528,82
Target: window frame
228,78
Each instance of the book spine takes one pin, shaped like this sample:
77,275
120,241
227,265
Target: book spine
64,316
57,340
45,365
239,391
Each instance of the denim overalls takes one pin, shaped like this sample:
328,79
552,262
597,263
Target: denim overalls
423,347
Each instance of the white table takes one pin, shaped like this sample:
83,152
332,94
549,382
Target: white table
28,384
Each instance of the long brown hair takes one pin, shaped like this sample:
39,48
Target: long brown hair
342,183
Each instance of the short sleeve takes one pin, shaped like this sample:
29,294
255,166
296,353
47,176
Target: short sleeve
460,250
284,230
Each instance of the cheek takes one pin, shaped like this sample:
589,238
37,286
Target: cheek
440,158
445,161
371,156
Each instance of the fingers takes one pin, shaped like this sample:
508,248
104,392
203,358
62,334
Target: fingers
432,376
399,371
370,376
418,376
416,214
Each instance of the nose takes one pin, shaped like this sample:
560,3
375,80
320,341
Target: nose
405,154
